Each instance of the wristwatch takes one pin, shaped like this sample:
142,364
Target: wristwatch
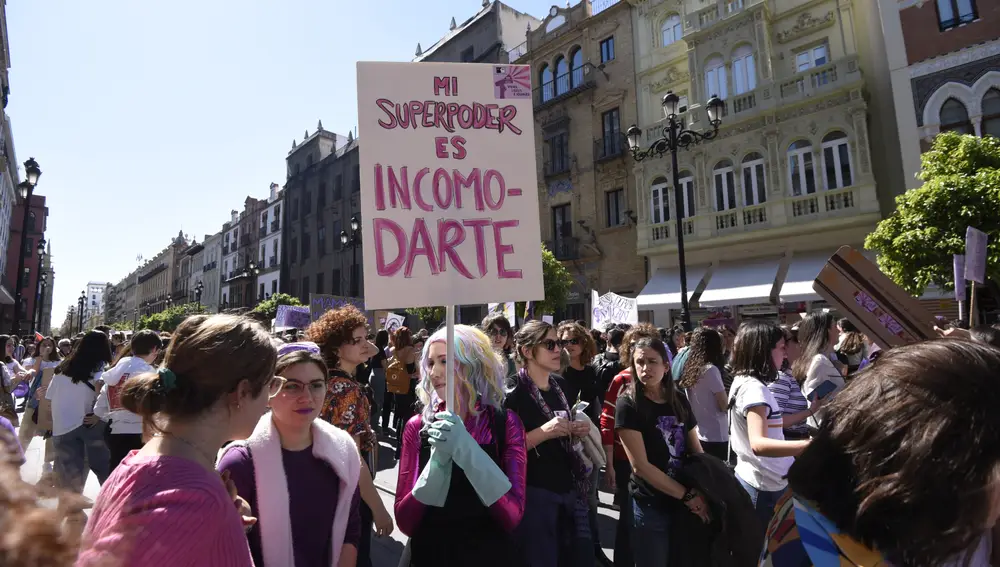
689,495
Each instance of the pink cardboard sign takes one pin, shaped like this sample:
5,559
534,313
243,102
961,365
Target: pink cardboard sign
449,194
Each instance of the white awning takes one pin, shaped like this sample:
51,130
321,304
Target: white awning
664,288
802,272
741,283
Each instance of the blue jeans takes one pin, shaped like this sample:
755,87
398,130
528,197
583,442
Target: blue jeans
555,530
764,502
75,450
650,534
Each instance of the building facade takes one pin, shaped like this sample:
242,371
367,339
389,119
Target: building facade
269,233
239,247
583,101
495,34
157,279
9,178
322,194
93,307
211,273
28,236
944,68
44,324
789,177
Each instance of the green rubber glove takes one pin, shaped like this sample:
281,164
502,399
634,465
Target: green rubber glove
432,485
448,434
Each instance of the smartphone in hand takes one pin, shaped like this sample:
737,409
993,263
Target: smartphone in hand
823,390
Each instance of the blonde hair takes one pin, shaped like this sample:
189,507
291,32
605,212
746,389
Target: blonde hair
478,369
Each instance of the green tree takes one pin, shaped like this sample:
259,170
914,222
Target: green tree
961,176
168,319
430,316
268,309
122,325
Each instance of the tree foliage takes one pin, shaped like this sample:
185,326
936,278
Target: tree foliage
961,175
121,325
268,309
168,319
557,282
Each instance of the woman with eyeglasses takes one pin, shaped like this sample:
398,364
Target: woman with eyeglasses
555,529
342,336
298,473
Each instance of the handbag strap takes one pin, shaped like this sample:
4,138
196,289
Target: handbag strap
729,415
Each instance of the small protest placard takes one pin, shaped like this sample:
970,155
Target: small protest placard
612,308
394,322
959,265
320,303
290,316
975,255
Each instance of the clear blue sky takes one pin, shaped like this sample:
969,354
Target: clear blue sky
151,117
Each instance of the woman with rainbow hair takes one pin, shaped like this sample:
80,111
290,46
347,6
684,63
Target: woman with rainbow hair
462,470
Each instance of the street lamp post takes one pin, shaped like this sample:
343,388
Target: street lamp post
200,287
38,282
25,188
135,318
354,241
43,281
81,302
253,270
676,137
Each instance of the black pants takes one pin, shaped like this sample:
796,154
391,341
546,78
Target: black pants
404,411
119,445
623,544
367,521
719,450
387,403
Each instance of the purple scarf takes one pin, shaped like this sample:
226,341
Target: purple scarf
581,478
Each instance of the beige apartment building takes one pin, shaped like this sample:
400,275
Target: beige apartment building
789,177
584,98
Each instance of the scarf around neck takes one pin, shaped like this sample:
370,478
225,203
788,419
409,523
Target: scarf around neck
581,476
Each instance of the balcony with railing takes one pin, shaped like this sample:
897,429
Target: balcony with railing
564,86
823,205
609,147
274,226
720,11
517,52
225,249
565,248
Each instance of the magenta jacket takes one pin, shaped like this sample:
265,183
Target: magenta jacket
507,511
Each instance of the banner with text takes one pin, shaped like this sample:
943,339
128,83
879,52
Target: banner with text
290,316
447,180
612,308
320,303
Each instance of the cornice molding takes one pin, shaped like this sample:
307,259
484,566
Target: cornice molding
955,59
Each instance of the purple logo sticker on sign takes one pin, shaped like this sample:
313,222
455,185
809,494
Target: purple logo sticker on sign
512,81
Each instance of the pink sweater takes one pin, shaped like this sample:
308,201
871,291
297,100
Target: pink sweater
158,510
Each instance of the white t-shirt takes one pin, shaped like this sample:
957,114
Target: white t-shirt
762,473
122,420
713,425
820,370
70,402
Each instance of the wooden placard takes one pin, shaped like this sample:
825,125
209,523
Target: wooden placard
880,308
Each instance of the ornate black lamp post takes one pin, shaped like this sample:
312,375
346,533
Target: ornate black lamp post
31,174
198,289
39,284
354,242
80,303
676,137
42,282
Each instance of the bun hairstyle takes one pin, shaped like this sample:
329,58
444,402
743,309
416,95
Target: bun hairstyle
208,356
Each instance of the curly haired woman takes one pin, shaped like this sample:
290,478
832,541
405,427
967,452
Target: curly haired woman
342,336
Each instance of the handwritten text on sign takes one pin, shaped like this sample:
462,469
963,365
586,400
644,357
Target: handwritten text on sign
613,308
448,173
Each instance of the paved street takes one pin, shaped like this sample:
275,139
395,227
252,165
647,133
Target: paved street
386,551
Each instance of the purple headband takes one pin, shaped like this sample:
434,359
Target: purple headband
289,348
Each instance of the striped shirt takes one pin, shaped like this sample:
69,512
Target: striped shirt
789,396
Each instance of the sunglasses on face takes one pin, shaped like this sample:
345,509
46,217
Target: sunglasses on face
549,344
566,342
497,333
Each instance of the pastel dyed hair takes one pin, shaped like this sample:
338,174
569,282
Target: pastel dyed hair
479,370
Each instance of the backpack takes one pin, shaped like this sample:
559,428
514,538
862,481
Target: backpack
606,372
397,379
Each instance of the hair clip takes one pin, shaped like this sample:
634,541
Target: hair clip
307,346
168,380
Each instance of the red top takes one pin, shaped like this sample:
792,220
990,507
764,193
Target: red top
608,435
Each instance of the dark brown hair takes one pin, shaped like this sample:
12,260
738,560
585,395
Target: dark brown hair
667,388
986,334
814,338
705,348
499,322
210,356
333,329
907,456
300,357
90,356
588,348
640,331
528,337
752,350
54,354
401,339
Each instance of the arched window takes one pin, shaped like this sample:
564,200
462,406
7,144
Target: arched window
744,70
548,85
659,201
955,117
725,189
670,31
991,113
576,60
686,181
800,168
837,161
715,78
754,184
562,76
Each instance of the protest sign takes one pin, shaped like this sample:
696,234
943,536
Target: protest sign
320,303
975,255
547,319
394,322
506,309
290,316
612,308
447,180
959,266
880,308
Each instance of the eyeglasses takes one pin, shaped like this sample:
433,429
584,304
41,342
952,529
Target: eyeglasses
567,342
292,388
497,333
549,344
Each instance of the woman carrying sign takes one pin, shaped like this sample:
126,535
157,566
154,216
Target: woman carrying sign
462,471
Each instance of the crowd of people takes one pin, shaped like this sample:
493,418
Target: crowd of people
223,444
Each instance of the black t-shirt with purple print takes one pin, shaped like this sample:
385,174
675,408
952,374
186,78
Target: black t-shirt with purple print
663,434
